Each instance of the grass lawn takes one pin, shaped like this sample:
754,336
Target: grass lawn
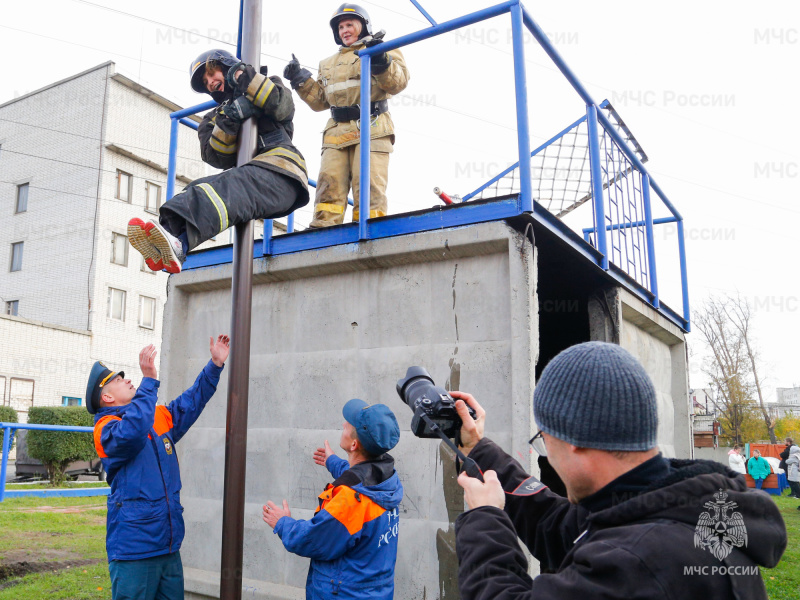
783,582
67,534
79,485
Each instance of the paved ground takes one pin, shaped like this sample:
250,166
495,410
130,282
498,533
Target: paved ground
11,471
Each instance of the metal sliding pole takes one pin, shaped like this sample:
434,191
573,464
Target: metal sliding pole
239,360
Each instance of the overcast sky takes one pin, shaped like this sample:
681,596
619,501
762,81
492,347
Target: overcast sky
708,89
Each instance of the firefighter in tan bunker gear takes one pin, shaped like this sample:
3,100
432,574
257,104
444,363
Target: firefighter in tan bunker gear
338,87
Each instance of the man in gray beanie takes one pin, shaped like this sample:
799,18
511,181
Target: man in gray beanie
634,524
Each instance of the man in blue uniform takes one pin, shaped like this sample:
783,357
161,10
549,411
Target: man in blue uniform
352,539
136,440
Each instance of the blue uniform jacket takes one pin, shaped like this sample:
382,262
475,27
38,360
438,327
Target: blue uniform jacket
352,539
136,443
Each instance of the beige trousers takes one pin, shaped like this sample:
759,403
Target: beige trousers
338,174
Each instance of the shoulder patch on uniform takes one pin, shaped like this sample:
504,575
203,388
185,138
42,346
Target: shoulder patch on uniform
529,487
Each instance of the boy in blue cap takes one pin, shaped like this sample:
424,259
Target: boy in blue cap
136,439
352,539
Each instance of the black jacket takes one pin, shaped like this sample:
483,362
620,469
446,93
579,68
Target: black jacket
784,455
218,131
628,541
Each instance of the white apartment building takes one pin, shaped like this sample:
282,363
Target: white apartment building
79,159
787,402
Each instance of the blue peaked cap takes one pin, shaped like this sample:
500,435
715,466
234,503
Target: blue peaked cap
98,377
375,425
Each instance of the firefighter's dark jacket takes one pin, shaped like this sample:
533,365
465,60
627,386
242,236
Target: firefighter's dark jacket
218,132
136,443
640,537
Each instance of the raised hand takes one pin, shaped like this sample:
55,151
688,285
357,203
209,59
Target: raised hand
147,361
321,455
219,349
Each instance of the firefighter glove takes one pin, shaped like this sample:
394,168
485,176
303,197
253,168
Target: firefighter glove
295,73
380,62
230,76
241,109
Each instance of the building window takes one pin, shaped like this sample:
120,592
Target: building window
12,308
124,185
70,401
147,312
119,249
116,304
16,256
145,269
22,198
153,197
21,396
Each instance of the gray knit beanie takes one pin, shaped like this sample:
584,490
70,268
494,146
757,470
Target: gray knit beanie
597,395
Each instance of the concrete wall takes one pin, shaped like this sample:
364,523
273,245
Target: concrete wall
661,347
346,322
719,454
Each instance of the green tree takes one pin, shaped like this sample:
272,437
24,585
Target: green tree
753,428
788,426
57,449
732,368
8,415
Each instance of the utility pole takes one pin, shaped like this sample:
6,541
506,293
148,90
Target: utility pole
239,363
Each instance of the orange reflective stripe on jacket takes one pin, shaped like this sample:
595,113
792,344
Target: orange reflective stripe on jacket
98,432
349,507
163,421
162,424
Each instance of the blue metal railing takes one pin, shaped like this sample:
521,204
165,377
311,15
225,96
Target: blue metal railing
8,433
628,216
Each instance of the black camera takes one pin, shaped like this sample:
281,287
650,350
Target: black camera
423,397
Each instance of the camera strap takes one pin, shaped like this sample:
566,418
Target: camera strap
463,463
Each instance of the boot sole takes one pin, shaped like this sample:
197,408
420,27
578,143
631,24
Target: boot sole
148,240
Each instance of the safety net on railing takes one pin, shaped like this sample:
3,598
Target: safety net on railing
624,211
561,173
562,181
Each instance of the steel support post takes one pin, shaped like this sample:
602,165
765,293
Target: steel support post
684,276
601,239
523,129
239,360
364,141
651,245
173,157
4,466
